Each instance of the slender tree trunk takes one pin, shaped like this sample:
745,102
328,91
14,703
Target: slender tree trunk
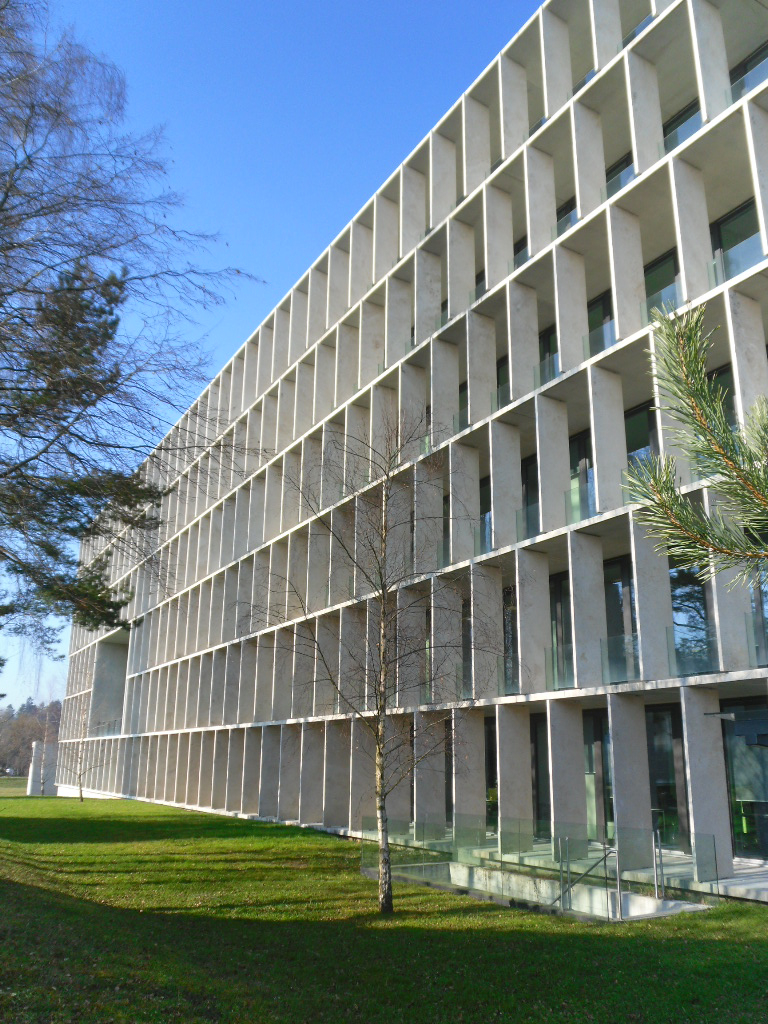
386,905
80,752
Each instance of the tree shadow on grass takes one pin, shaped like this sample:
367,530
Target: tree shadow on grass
77,960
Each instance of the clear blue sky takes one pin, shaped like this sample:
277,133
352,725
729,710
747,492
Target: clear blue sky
281,120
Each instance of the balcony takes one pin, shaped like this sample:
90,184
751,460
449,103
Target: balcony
484,535
441,319
748,82
599,339
501,396
527,521
620,660
558,667
565,223
580,500
617,182
508,670
521,258
546,370
681,134
666,299
729,263
692,650
477,292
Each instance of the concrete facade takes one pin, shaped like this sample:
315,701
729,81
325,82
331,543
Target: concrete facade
613,157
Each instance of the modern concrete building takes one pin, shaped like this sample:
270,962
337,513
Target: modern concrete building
613,157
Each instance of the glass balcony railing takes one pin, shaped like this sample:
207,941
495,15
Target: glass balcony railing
752,78
520,258
620,660
546,370
527,521
757,640
441,319
425,445
508,669
484,535
729,263
666,299
640,27
692,650
443,553
558,667
461,420
476,293
583,81
464,680
501,396
580,501
536,125
600,339
617,182
681,134
565,223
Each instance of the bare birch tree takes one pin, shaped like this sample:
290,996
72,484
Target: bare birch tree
379,519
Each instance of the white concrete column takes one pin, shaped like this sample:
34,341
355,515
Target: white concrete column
554,460
269,771
499,245
589,158
732,609
533,618
446,642
606,30
220,764
694,246
443,189
362,794
631,780
710,58
336,776
339,284
481,365
571,305
283,674
247,689
290,766
487,629
540,198
413,206
192,797
251,770
311,791
645,111
513,757
265,663
609,443
207,751
398,770
360,260
427,296
746,336
465,500
445,388
585,556
469,770
707,784
386,218
513,86
506,485
556,61
461,265
653,602
182,770
627,273
234,797
477,142
566,772
429,774
523,327
757,141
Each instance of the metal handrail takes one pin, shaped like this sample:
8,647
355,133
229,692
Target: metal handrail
568,888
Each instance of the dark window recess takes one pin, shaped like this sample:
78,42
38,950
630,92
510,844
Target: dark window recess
466,649
491,780
448,770
620,165
735,226
560,610
520,245
723,378
565,208
479,282
745,66
502,372
444,306
547,342
600,310
661,272
485,495
529,473
619,596
681,117
666,770
641,432
540,776
463,395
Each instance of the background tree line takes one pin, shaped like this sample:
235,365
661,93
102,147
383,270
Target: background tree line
19,728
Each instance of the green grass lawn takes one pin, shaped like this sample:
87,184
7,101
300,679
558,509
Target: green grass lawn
15,785
120,911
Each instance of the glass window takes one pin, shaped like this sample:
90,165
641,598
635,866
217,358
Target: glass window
641,433
600,310
735,227
723,377
746,761
745,66
681,117
485,495
580,452
620,165
619,596
491,778
666,769
661,272
547,342
529,472
540,775
565,208
502,372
